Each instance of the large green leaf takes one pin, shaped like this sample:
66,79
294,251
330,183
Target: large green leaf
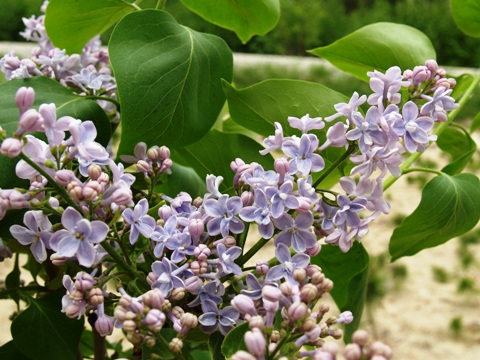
168,79
10,352
182,179
71,24
215,346
46,91
461,147
378,46
466,14
214,153
246,17
43,332
349,273
234,340
450,206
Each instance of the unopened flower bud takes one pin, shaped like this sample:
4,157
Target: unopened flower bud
151,278
432,66
178,293
94,171
177,311
327,285
314,250
89,192
271,306
166,164
195,228
165,212
318,278
275,337
244,304
84,281
152,153
25,97
271,293
352,352
135,337
30,121
144,167
154,320
75,190
379,348
120,313
153,299
345,317
247,198
312,269
129,325
104,325
73,310
150,342
300,275
58,260
189,320
297,310
12,63
11,147
229,241
308,293
64,177
163,153
242,355
337,334
309,324
95,296
175,345
77,295
282,166
262,267
360,337
255,342
193,284
256,322
305,204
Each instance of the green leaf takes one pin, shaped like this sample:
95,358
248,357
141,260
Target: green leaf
349,273
71,24
450,206
43,332
215,346
234,340
182,179
378,46
168,79
466,14
12,281
10,352
461,147
245,17
464,81
475,123
46,91
214,153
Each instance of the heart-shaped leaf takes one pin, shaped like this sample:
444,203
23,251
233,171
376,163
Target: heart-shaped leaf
461,147
43,332
168,79
71,24
234,340
246,17
450,206
46,91
378,46
466,14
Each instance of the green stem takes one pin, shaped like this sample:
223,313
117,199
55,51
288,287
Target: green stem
254,249
60,189
164,342
423,170
161,4
106,98
119,260
243,236
438,131
280,344
351,149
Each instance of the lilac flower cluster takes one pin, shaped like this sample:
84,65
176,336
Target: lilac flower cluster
188,255
88,72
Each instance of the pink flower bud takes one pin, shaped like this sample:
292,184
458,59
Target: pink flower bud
255,342
73,310
262,267
282,166
247,198
202,252
144,167
153,299
95,296
360,337
243,355
305,204
270,306
195,228
104,325
30,121
129,325
314,250
165,212
84,281
297,310
352,352
94,171
256,322
432,66
163,153
75,190
234,165
154,319
25,97
12,63
11,147
89,192
229,241
193,284
308,293
189,320
244,304
345,317
271,293
64,177
152,153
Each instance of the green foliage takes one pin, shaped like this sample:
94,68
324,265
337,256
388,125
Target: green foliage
71,24
457,142
43,332
184,100
378,47
231,344
246,17
449,207
440,274
466,14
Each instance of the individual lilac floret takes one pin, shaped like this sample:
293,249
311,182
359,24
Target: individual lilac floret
439,104
223,212
140,151
383,158
296,233
213,183
213,318
288,264
260,212
306,123
139,221
367,131
349,209
414,129
78,237
348,110
302,152
90,78
214,290
275,142
37,234
386,86
282,198
226,259
167,275
39,152
181,244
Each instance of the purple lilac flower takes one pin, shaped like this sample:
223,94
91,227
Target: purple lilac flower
281,198
213,318
214,290
296,233
367,131
213,183
181,244
260,212
162,233
301,151
414,129
327,214
288,264
383,158
348,209
336,136
386,86
437,105
259,178
167,275
348,110
37,234
140,152
78,237
90,78
274,142
139,221
306,123
226,259
39,152
343,237
223,212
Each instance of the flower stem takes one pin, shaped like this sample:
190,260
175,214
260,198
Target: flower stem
440,128
351,149
121,262
253,250
161,4
423,170
61,190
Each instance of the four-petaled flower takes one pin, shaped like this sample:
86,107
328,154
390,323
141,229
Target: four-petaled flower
223,213
288,264
140,222
213,318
